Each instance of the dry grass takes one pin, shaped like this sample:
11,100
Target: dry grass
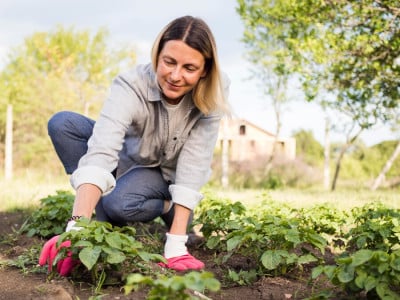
342,199
28,187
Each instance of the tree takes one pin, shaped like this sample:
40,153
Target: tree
347,48
308,148
272,68
61,69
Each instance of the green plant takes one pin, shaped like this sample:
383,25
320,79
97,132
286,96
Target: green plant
278,242
376,227
243,277
27,261
104,249
50,218
174,287
373,271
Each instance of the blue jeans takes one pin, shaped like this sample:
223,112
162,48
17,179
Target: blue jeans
138,195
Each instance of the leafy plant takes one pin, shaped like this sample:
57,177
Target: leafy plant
377,227
51,217
243,277
373,271
278,242
102,248
26,261
174,287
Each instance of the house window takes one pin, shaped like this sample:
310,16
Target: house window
242,130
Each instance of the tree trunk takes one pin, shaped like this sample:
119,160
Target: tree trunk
341,155
386,168
8,159
327,146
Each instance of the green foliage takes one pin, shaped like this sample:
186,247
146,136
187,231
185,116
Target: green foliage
371,262
26,262
243,277
345,53
64,69
51,217
309,148
275,240
352,169
376,227
382,153
374,271
173,287
101,248
325,219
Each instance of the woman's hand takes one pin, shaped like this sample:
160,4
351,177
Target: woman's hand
49,253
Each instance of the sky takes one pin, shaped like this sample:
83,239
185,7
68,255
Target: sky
138,22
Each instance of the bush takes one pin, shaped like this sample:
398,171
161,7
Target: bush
51,217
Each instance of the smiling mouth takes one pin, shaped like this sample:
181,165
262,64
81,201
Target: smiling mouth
173,86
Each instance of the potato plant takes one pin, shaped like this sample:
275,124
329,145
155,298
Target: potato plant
275,237
176,287
50,218
102,249
278,243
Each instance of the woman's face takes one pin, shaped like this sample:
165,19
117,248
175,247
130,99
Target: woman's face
179,69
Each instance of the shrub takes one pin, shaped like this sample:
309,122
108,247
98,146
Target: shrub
51,217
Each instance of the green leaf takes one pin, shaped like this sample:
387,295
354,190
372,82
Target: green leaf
89,256
114,240
272,258
370,283
317,271
330,271
82,244
233,242
213,241
395,264
115,257
360,280
346,274
361,256
305,259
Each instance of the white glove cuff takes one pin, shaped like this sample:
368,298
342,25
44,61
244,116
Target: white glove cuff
175,245
71,226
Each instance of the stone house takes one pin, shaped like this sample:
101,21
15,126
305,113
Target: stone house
247,141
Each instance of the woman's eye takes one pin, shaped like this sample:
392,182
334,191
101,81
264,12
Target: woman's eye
191,69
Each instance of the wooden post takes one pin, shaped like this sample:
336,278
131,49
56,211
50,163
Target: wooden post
8,159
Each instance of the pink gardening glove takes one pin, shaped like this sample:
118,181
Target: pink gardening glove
49,253
177,256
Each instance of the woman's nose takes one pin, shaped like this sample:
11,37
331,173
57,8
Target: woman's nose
176,74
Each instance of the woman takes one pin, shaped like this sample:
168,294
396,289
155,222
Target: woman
150,150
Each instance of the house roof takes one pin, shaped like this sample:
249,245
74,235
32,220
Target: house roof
243,121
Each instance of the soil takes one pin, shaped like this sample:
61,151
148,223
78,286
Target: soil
17,283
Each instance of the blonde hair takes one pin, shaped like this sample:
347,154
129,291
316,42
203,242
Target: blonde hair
208,95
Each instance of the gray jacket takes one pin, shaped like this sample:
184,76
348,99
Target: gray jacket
132,131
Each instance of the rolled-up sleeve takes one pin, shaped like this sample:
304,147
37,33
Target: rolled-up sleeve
103,179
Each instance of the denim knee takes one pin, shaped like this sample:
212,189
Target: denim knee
132,208
56,122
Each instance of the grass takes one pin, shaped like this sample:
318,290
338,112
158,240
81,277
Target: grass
28,187
343,199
